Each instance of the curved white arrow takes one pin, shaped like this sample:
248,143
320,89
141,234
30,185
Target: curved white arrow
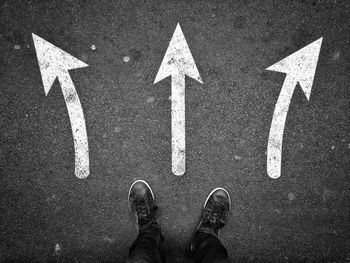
177,63
299,67
54,62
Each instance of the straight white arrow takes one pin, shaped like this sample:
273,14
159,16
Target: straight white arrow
177,63
299,67
54,62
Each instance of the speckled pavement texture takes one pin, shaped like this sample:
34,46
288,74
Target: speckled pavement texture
47,214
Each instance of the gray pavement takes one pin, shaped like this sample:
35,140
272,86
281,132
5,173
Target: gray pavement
47,214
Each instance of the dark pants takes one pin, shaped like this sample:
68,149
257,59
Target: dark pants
148,247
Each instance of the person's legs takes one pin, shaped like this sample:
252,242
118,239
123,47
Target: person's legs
206,245
147,248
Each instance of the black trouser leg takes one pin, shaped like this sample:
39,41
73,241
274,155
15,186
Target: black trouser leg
147,248
208,249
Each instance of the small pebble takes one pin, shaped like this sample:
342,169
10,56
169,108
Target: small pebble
333,147
28,46
93,47
170,97
126,59
237,157
17,47
150,100
117,129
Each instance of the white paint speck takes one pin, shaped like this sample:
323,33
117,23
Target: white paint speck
237,157
333,147
117,129
170,97
93,47
126,59
150,100
17,47
28,46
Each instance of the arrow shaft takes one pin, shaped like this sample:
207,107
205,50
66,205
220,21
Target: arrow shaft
274,147
178,135
77,120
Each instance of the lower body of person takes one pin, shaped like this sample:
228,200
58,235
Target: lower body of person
205,246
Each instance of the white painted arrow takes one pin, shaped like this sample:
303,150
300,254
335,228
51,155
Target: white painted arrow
299,67
177,63
54,62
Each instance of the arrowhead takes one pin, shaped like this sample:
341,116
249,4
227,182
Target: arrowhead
178,59
53,62
301,65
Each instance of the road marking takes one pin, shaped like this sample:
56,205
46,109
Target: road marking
299,67
177,63
54,62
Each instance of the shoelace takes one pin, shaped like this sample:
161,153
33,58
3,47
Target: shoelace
215,214
142,211
144,215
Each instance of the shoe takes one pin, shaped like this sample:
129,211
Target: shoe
141,204
215,212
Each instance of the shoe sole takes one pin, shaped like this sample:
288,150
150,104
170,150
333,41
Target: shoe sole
142,181
218,188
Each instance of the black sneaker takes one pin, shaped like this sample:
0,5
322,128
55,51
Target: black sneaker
141,204
215,212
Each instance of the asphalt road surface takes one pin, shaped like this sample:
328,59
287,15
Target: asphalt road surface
48,214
